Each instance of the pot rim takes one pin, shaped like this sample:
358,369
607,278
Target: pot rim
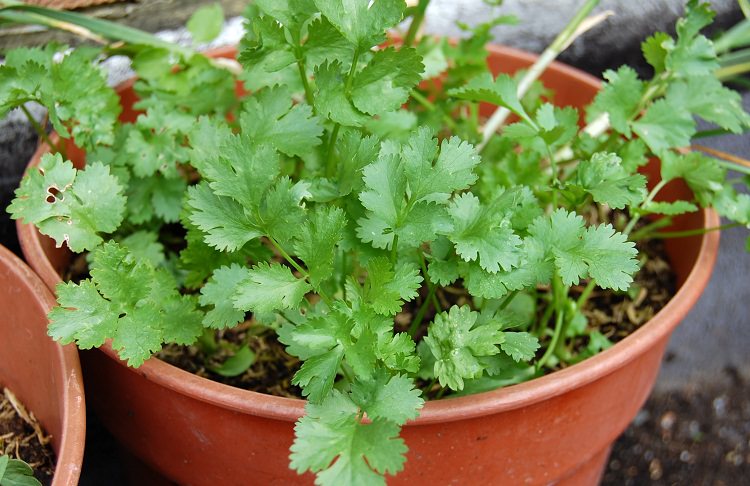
448,409
70,453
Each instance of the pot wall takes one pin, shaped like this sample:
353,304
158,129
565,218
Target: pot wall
45,376
557,428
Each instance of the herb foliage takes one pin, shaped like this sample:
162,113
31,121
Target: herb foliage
346,191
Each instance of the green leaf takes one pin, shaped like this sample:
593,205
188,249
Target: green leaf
270,287
384,83
224,221
71,206
82,315
703,174
655,52
318,240
317,373
236,364
361,22
705,97
157,141
521,346
387,289
392,398
325,44
218,291
271,117
452,171
604,177
205,24
482,233
332,441
599,252
665,126
14,472
128,300
619,98
502,91
145,245
331,101
670,208
457,343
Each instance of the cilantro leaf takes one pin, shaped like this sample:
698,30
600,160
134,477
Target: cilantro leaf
599,252
224,282
502,91
331,100
224,221
655,52
361,22
669,208
384,83
703,175
393,398
333,442
270,117
521,346
604,177
205,24
457,344
664,126
388,288
619,98
128,300
453,170
705,97
71,206
317,243
269,287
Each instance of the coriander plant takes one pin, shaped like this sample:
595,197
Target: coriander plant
358,205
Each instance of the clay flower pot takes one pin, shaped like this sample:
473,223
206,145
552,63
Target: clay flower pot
558,428
45,376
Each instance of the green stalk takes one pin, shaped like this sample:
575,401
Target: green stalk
39,129
414,327
508,299
305,81
288,258
553,343
574,29
416,23
584,297
695,232
394,250
651,195
646,231
330,159
422,100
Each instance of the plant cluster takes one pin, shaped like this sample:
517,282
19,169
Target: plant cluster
354,193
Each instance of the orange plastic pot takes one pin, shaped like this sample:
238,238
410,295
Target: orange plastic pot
45,376
555,429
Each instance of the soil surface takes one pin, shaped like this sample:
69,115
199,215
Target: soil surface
697,437
22,437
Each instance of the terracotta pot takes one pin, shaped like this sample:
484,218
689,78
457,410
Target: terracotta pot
45,376
557,428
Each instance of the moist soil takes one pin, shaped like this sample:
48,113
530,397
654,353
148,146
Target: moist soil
615,315
22,437
691,437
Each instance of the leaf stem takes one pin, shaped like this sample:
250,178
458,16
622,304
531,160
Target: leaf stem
553,343
695,232
39,129
651,195
288,258
416,23
305,81
414,327
584,297
330,159
508,299
394,250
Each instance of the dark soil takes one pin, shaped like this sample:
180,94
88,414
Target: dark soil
687,437
22,437
271,373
